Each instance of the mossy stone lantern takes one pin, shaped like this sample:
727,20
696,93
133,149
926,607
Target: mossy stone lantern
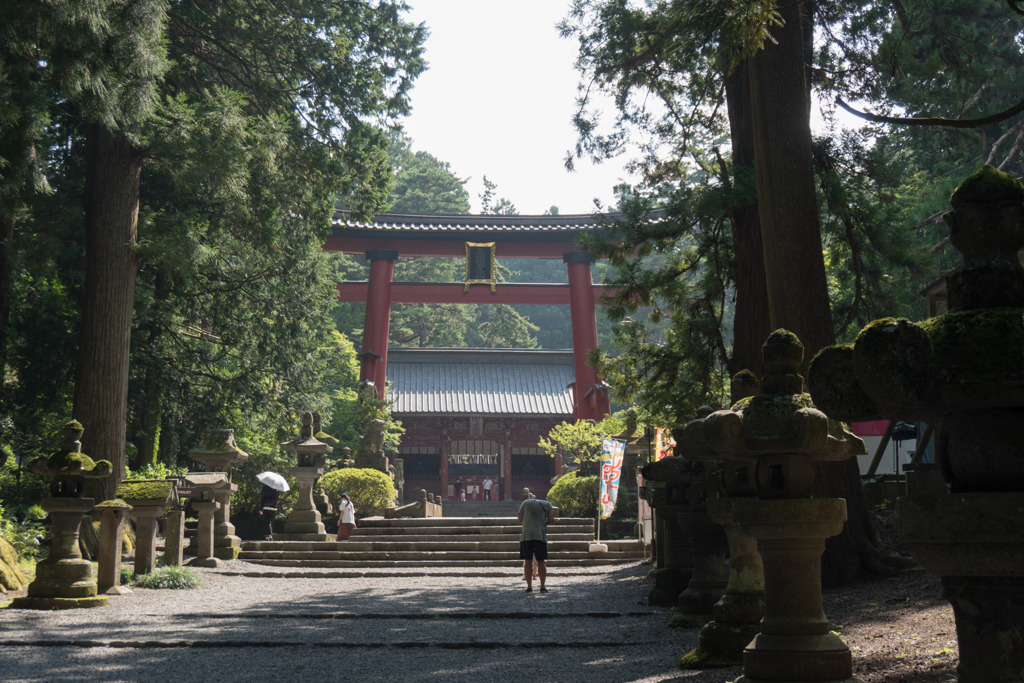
964,373
304,522
781,434
64,579
218,453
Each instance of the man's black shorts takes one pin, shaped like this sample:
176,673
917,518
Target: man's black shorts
529,550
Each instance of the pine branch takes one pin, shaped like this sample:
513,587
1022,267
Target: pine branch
934,120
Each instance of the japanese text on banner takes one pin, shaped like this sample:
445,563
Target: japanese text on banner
611,472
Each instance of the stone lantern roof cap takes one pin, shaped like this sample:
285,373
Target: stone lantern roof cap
218,445
217,480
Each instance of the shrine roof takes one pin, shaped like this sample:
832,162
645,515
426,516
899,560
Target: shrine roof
480,382
394,224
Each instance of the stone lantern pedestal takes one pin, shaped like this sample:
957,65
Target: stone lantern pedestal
112,516
64,579
737,615
210,487
148,499
795,642
673,551
218,453
710,572
975,543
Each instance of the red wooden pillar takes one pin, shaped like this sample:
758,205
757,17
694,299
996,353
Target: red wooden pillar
374,358
590,398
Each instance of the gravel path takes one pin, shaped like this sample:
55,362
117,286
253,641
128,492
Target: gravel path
247,623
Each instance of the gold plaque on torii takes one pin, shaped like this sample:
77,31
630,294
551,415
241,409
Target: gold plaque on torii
479,264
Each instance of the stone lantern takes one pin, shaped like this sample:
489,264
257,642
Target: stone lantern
667,492
964,373
64,579
737,615
782,434
219,452
303,524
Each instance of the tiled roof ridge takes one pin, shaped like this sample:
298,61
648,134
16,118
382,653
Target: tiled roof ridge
489,222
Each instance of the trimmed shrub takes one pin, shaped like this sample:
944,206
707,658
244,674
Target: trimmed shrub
575,496
370,490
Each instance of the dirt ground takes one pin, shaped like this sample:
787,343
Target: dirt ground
898,629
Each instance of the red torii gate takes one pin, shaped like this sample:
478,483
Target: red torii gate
389,236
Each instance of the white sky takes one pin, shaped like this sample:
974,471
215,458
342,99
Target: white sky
498,100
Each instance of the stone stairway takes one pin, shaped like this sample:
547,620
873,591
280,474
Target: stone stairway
441,542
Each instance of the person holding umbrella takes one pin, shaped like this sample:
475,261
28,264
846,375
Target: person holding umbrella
346,518
273,485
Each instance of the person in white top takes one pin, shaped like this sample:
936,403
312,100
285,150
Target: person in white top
346,518
487,488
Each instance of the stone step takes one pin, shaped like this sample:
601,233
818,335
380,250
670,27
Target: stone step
430,545
595,561
462,531
459,538
381,522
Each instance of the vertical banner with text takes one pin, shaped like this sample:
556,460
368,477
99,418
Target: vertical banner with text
611,471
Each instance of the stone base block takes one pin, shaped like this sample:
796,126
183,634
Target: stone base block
117,590
686,620
701,599
296,527
822,658
59,603
68,578
303,537
227,552
668,584
211,562
719,645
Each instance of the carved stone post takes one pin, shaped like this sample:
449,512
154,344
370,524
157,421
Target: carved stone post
112,515
149,499
209,484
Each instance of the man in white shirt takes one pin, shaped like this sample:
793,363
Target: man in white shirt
487,488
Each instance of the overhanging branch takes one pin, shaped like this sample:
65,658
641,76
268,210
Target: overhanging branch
936,120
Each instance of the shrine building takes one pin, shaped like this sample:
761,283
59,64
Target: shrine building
474,414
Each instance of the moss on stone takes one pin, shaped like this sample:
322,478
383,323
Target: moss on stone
988,184
834,386
144,489
893,363
11,578
985,345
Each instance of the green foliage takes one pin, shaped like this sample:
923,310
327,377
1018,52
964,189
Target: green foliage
176,578
575,495
265,455
23,531
247,143
581,440
370,490
157,470
353,416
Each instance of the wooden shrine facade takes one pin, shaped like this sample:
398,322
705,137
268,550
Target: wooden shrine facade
390,236
474,414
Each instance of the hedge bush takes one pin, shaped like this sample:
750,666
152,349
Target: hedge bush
575,496
370,490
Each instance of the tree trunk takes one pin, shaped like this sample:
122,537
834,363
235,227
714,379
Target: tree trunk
794,267
751,321
113,169
6,244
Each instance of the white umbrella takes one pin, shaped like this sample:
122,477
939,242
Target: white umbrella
273,480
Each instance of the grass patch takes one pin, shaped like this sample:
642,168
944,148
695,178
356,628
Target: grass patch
162,577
